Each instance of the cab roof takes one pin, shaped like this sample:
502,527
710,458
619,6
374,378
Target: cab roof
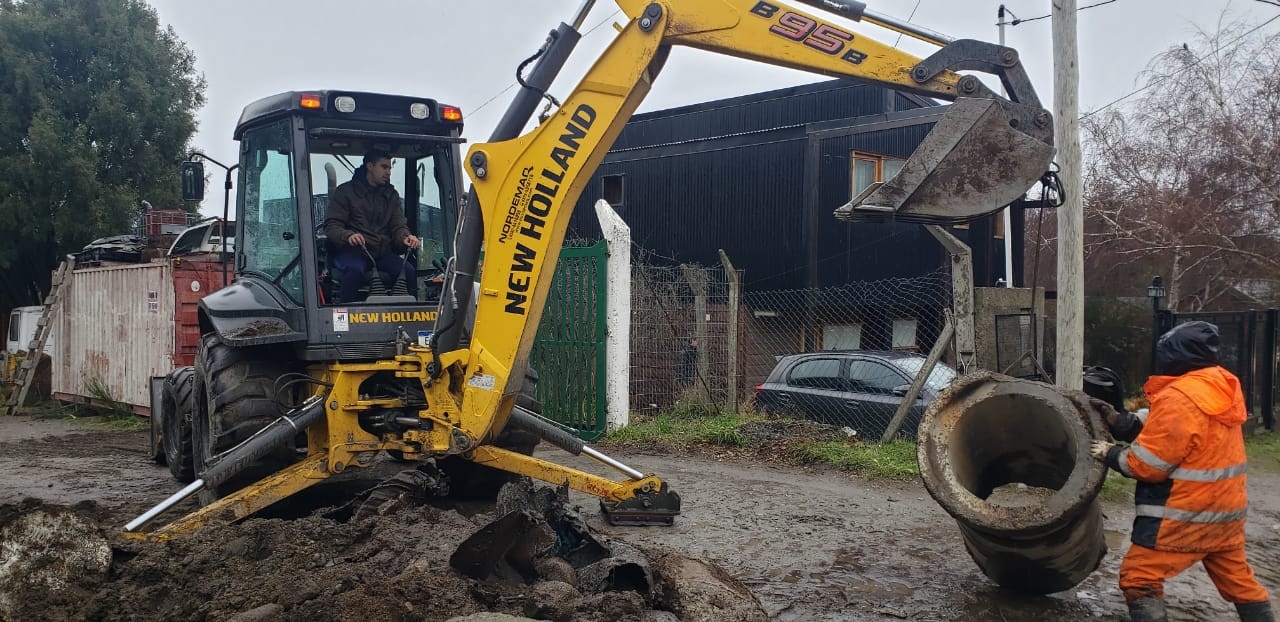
371,108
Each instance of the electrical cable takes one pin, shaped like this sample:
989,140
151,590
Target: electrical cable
913,14
1178,72
520,80
1017,21
1051,186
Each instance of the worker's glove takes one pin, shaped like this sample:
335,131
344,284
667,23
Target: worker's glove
1099,449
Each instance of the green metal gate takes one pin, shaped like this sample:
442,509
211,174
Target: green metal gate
569,349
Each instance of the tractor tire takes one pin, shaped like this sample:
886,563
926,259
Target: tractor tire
234,397
176,424
468,480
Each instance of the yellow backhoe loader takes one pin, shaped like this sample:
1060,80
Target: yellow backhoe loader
407,371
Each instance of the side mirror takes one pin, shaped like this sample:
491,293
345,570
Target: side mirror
901,390
192,181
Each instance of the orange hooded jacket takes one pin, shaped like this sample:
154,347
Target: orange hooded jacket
1189,461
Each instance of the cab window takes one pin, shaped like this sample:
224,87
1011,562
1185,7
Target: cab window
423,182
271,245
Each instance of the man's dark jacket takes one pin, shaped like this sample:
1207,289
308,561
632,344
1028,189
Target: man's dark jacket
376,212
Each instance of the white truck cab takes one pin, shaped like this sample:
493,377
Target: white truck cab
22,330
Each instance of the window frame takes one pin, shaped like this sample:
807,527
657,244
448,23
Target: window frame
857,386
877,159
840,376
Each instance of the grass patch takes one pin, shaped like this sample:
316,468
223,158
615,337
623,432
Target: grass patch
1116,487
893,460
683,428
1263,451
106,412
128,422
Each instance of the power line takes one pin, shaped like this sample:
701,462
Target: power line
509,86
909,17
1198,60
1017,21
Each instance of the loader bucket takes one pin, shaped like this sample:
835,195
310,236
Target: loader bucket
983,155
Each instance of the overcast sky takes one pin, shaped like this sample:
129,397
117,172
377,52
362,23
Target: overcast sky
466,52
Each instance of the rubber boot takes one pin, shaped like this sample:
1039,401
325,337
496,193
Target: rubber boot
1255,612
1148,610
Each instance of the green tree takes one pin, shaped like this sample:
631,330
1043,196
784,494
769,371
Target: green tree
97,108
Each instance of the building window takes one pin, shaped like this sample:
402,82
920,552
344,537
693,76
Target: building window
842,337
870,168
904,334
613,191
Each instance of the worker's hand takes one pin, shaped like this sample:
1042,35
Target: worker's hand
411,242
356,239
1107,411
1099,449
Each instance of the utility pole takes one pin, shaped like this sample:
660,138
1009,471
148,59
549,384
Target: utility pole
1007,214
1066,112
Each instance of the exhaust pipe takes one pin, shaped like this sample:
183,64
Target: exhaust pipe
987,432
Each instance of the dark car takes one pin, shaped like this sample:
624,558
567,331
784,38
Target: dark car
860,389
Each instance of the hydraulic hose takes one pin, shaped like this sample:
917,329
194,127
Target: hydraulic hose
277,434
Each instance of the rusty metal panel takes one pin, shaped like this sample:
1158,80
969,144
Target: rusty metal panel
192,280
114,330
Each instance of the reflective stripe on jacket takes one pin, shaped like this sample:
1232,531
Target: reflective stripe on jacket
1189,461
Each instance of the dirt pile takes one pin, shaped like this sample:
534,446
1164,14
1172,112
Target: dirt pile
785,432
393,566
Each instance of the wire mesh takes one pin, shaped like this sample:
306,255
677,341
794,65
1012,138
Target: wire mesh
841,355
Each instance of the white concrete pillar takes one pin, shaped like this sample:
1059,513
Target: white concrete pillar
617,347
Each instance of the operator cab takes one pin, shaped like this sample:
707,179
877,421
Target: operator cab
297,147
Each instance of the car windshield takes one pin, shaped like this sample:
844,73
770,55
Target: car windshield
939,378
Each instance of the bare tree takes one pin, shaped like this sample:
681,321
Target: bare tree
1185,180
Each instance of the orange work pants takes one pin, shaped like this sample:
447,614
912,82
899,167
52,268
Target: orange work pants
1144,571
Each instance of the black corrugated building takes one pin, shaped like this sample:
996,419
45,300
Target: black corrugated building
760,175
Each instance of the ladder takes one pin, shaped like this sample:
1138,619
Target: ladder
27,370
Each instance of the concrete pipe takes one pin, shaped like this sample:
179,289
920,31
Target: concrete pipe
1009,460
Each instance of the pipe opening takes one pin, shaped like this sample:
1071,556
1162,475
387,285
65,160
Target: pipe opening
1009,439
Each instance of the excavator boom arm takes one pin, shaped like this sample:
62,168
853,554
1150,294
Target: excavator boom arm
526,187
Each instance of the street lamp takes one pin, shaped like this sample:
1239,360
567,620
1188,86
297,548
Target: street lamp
1155,292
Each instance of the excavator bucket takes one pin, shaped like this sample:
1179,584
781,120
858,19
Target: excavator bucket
981,156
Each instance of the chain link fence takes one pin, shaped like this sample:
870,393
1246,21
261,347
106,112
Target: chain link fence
697,339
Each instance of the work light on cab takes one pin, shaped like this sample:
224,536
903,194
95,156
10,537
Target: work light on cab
344,103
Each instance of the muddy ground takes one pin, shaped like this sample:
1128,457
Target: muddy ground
809,544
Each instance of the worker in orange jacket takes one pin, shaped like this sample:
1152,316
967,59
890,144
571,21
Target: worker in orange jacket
1189,460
